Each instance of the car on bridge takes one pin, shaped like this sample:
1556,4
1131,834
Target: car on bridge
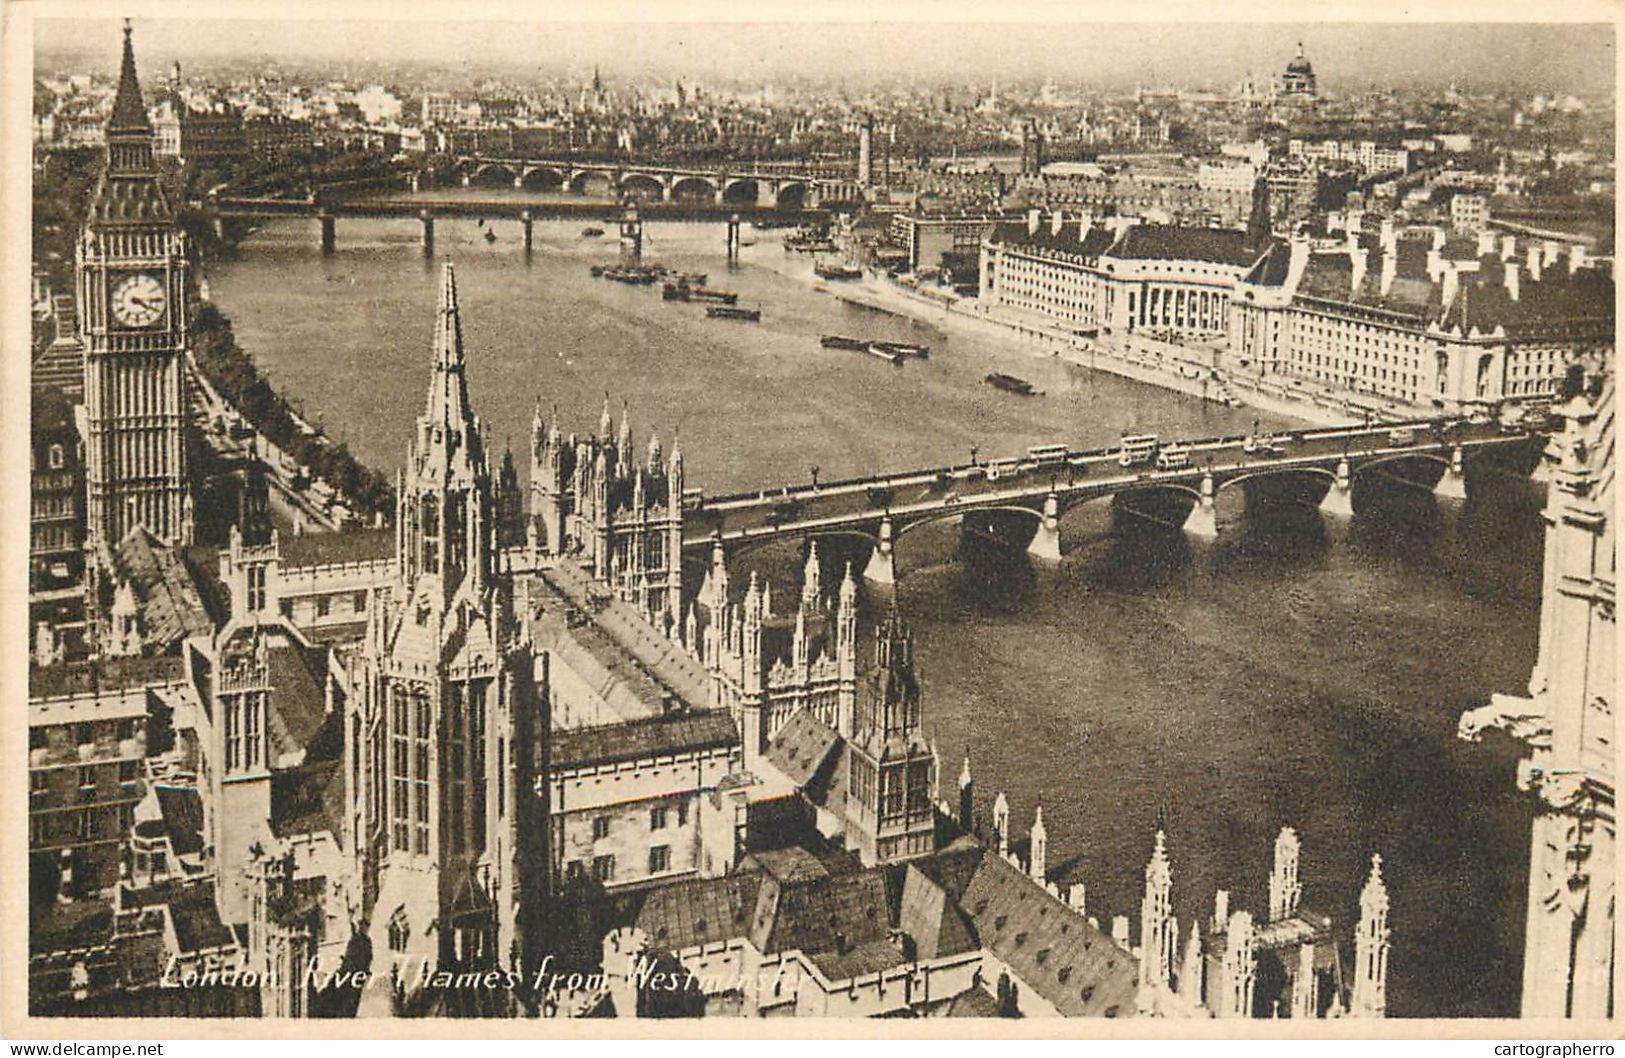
1401,436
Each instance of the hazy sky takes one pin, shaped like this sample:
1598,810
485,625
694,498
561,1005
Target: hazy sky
1567,57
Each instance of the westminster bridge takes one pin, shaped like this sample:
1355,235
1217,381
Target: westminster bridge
1041,487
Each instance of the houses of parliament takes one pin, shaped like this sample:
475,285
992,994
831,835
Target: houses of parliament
468,742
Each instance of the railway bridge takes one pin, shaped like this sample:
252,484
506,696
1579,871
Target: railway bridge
1045,484
771,187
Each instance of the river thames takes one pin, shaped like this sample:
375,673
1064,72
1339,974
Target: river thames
1294,671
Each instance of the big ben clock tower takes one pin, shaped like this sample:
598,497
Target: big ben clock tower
131,276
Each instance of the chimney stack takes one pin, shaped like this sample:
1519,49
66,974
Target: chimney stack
1486,243
1554,250
1577,258
1534,263
1512,280
1509,247
1033,216
1388,236
1452,285
1056,219
1390,266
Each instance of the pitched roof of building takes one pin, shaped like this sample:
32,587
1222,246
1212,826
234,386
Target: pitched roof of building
931,919
327,549
643,738
105,674
801,746
171,605
308,799
1179,243
298,677
182,808
1074,966
697,911
191,908
829,913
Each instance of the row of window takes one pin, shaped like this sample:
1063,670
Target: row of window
83,734
603,867
91,824
659,818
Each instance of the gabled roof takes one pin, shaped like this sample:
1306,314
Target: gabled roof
933,921
171,605
698,911
644,738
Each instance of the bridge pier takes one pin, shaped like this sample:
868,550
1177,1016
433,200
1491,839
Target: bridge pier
329,233
1339,499
1046,542
1202,521
467,179
882,568
733,237
529,220
428,232
1453,485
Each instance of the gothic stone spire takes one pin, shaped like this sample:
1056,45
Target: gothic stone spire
129,113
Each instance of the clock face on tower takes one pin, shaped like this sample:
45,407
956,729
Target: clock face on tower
138,300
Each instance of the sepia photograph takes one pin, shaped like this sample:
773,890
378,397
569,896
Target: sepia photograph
935,514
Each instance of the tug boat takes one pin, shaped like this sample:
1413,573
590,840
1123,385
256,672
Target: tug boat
592,233
837,341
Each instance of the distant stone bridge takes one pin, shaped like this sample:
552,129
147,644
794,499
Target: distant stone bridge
753,186
1045,484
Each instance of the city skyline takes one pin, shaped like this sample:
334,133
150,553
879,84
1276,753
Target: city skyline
1574,57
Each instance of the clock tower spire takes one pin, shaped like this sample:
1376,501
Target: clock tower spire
131,268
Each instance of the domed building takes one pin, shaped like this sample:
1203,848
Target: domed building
1298,82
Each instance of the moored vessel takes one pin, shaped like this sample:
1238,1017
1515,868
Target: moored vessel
1010,383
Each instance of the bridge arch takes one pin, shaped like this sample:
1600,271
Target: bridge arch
645,187
542,178
946,513
792,194
693,188
492,174
1275,472
595,182
742,191
1356,469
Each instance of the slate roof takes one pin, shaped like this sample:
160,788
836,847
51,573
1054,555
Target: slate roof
323,549
308,799
935,923
698,911
1271,269
1178,243
182,808
1067,240
643,738
1071,964
171,605
298,702
191,908
836,913
801,746
107,674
